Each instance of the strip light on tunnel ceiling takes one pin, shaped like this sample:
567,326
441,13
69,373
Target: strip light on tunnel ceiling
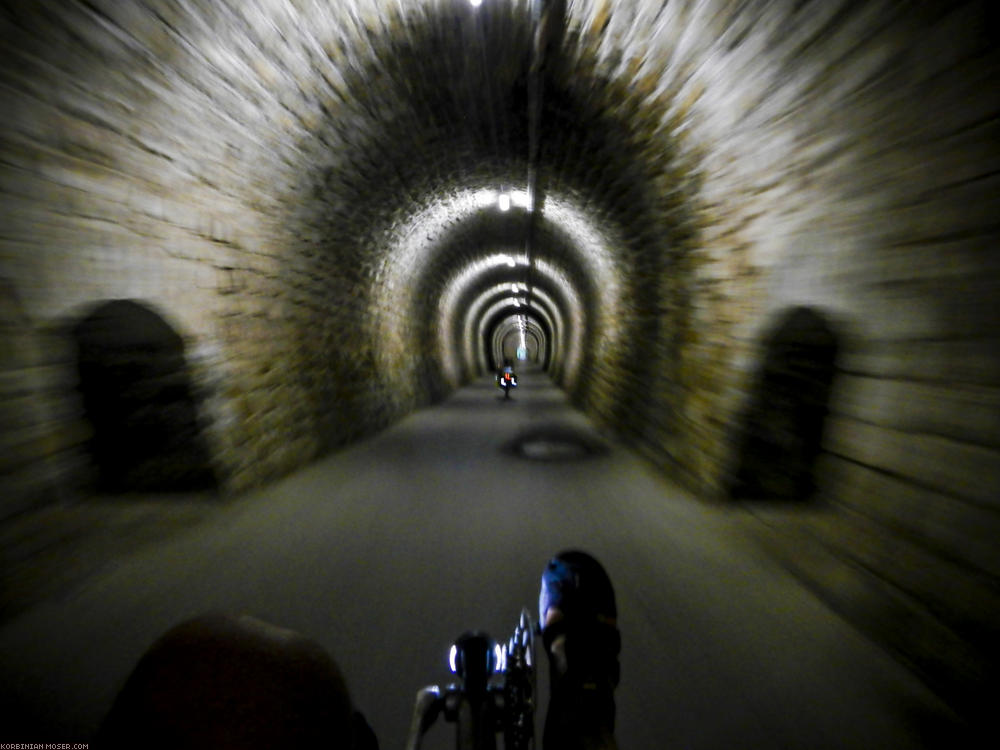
516,198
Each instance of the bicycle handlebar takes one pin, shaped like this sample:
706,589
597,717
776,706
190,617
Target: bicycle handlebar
495,692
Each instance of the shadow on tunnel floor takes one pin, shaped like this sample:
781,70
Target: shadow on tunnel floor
555,442
48,551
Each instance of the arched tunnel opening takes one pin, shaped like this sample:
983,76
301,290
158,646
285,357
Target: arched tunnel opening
751,243
787,409
137,396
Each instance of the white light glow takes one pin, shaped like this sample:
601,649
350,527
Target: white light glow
475,3
522,199
484,198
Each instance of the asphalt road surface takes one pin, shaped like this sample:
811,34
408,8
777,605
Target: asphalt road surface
389,549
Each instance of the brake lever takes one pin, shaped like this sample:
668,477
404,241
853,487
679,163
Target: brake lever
428,704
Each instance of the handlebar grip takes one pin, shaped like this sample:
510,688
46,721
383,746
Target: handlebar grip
426,707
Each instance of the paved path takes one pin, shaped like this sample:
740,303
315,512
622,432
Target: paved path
389,549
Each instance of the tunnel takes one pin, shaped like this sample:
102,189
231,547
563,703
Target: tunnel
755,242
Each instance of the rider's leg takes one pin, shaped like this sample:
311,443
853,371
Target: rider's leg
579,628
220,681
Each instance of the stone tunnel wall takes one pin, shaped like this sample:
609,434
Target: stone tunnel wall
156,155
837,158
842,161
850,168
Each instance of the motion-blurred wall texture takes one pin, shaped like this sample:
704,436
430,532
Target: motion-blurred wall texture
236,232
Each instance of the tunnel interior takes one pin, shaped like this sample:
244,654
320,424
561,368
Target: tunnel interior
292,224
444,216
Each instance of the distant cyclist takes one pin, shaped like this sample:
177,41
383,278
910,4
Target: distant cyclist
506,378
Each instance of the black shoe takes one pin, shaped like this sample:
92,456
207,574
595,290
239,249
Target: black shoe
578,618
577,600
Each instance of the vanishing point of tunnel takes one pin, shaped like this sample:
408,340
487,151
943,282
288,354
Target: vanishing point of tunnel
753,243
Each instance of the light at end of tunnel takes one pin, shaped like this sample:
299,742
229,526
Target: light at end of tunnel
504,202
475,3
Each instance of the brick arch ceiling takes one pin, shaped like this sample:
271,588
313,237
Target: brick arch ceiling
431,115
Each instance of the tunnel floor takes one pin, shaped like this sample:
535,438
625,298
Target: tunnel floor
389,549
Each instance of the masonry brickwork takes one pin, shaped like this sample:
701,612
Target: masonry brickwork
290,186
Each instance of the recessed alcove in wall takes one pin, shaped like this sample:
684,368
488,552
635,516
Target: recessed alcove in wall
138,399
782,426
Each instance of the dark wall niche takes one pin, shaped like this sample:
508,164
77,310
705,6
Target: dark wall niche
137,396
782,426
